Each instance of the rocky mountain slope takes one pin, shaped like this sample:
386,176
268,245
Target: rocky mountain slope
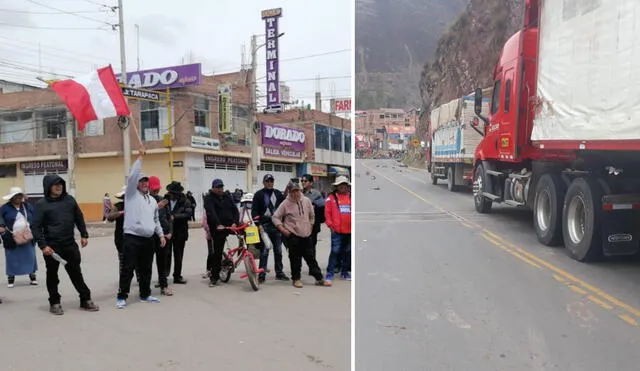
467,52
394,38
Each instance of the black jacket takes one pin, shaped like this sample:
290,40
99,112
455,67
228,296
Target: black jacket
163,216
55,218
220,211
259,207
181,213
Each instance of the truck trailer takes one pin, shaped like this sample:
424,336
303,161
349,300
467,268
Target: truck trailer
454,137
562,137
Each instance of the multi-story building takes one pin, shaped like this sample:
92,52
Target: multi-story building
206,142
387,128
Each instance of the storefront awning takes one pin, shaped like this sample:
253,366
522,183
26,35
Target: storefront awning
337,170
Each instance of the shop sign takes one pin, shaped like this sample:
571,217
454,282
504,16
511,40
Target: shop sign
282,152
222,160
36,166
205,143
271,17
166,77
282,137
317,169
147,95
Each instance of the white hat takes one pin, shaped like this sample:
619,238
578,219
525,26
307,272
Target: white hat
247,197
341,179
119,194
12,192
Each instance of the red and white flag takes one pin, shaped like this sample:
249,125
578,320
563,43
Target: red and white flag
93,97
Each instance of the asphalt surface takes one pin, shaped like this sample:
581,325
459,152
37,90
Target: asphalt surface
229,327
440,287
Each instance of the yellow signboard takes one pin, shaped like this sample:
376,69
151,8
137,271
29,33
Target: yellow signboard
224,109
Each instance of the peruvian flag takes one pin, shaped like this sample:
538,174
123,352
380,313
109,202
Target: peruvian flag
92,97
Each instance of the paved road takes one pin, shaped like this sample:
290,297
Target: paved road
439,287
200,328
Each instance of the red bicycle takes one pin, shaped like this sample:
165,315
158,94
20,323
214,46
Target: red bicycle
244,255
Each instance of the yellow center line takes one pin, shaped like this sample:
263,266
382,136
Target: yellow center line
599,302
559,273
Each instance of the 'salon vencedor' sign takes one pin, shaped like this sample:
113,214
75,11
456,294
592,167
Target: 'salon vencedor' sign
276,136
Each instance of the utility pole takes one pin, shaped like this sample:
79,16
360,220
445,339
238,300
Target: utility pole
71,155
126,139
252,179
138,45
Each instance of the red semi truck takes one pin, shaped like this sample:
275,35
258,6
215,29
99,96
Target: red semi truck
562,137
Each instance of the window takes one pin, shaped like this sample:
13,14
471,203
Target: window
8,171
267,166
94,128
507,95
52,124
322,137
201,112
154,121
495,101
347,141
336,140
17,127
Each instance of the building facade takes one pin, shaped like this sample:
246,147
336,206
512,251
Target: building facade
386,128
208,120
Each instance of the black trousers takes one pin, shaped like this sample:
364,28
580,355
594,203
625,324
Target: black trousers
175,248
214,260
162,255
209,252
314,238
70,253
300,248
138,253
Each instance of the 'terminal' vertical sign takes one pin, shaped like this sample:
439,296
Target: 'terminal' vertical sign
273,71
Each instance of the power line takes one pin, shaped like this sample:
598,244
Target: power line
69,13
52,28
28,43
315,55
98,4
49,13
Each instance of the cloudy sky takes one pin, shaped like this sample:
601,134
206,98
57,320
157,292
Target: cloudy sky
72,37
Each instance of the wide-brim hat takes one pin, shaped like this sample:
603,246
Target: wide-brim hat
247,197
121,193
175,187
341,180
14,191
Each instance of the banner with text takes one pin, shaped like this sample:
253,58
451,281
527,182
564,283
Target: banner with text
165,78
224,109
271,17
276,136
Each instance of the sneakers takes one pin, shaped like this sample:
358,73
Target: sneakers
89,306
56,309
298,284
10,285
34,281
213,283
282,277
149,299
166,291
179,281
346,276
121,303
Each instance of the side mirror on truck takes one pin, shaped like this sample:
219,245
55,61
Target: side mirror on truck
478,102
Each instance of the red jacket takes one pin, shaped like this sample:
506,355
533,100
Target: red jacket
338,217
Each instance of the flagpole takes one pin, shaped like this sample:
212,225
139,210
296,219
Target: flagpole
126,139
71,155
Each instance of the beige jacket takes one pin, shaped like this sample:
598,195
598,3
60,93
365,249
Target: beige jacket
297,217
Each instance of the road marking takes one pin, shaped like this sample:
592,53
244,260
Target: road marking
573,282
599,302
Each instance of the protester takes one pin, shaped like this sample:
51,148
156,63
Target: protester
53,228
192,200
294,218
20,255
318,207
338,219
180,211
162,253
117,215
265,203
140,223
221,212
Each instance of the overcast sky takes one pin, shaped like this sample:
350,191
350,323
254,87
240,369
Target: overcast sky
36,39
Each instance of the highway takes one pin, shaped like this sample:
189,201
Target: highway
440,287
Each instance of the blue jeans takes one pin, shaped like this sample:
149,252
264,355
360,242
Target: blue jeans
276,240
340,247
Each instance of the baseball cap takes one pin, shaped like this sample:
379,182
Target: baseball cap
154,183
217,183
267,177
143,177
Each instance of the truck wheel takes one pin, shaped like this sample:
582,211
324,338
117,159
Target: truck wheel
483,205
547,209
581,219
434,179
451,180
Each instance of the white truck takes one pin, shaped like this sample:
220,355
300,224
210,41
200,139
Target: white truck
454,137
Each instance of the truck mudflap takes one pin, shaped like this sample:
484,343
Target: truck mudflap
621,225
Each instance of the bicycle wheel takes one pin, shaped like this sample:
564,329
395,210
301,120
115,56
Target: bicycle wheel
226,270
251,275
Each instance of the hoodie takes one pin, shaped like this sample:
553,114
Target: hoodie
140,210
296,216
55,218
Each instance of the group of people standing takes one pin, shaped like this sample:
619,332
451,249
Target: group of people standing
147,224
